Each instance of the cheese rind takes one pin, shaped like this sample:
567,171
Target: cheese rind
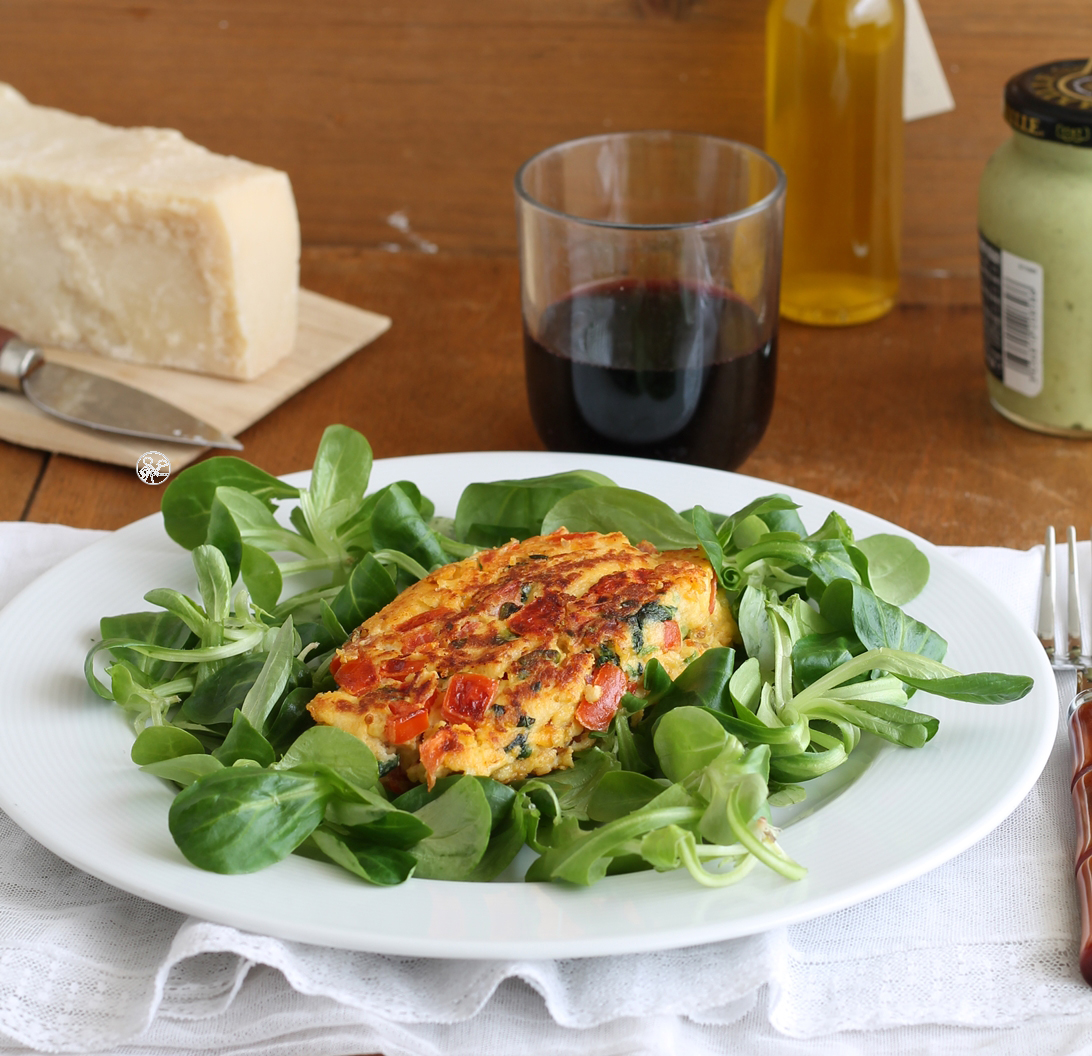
143,246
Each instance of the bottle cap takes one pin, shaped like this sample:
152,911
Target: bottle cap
1053,101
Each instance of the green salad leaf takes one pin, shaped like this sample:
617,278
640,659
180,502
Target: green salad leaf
688,774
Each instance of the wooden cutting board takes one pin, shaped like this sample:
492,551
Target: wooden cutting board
329,331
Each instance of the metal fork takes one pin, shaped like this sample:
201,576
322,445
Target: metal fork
1078,720
1075,655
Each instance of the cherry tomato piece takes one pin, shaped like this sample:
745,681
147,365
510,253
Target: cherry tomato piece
466,698
597,714
403,728
356,675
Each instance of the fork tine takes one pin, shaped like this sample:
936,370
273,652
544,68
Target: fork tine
1073,607
1045,629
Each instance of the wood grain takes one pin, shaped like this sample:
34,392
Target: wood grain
20,469
402,126
891,417
425,110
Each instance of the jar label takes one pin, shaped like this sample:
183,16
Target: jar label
1012,309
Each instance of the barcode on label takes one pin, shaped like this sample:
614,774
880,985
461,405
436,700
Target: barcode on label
1021,324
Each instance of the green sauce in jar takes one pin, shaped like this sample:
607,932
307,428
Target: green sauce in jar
1035,242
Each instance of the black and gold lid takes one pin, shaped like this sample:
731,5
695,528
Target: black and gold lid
1053,101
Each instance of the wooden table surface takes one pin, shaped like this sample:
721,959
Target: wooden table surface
401,127
891,417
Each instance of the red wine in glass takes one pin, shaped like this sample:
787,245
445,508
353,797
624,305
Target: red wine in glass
656,369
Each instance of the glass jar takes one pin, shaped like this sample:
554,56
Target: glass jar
1035,246
834,123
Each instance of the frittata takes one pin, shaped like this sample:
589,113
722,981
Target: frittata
499,665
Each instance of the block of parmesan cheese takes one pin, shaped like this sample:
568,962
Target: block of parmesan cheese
140,245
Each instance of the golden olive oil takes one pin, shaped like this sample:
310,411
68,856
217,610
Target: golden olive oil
834,123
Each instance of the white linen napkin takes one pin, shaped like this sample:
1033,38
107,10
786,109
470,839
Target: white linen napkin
978,954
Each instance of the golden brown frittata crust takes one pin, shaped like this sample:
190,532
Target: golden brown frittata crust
500,664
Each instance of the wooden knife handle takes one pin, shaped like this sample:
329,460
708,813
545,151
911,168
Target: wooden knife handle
5,336
1080,738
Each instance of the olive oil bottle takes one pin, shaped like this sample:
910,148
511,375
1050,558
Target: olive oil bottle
834,123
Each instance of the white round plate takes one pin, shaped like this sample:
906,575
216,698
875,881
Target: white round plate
66,778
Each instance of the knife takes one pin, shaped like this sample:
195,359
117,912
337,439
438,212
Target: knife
91,400
1078,720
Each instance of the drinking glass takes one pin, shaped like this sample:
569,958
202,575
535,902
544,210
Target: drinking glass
650,268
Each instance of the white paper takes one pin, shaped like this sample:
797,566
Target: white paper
925,90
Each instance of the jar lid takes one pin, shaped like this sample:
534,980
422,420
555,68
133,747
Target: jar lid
1053,101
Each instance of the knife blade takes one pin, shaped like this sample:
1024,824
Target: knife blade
90,400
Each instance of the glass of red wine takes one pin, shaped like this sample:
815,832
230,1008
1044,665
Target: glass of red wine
650,266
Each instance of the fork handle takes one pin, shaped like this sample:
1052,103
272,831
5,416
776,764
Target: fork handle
1080,738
